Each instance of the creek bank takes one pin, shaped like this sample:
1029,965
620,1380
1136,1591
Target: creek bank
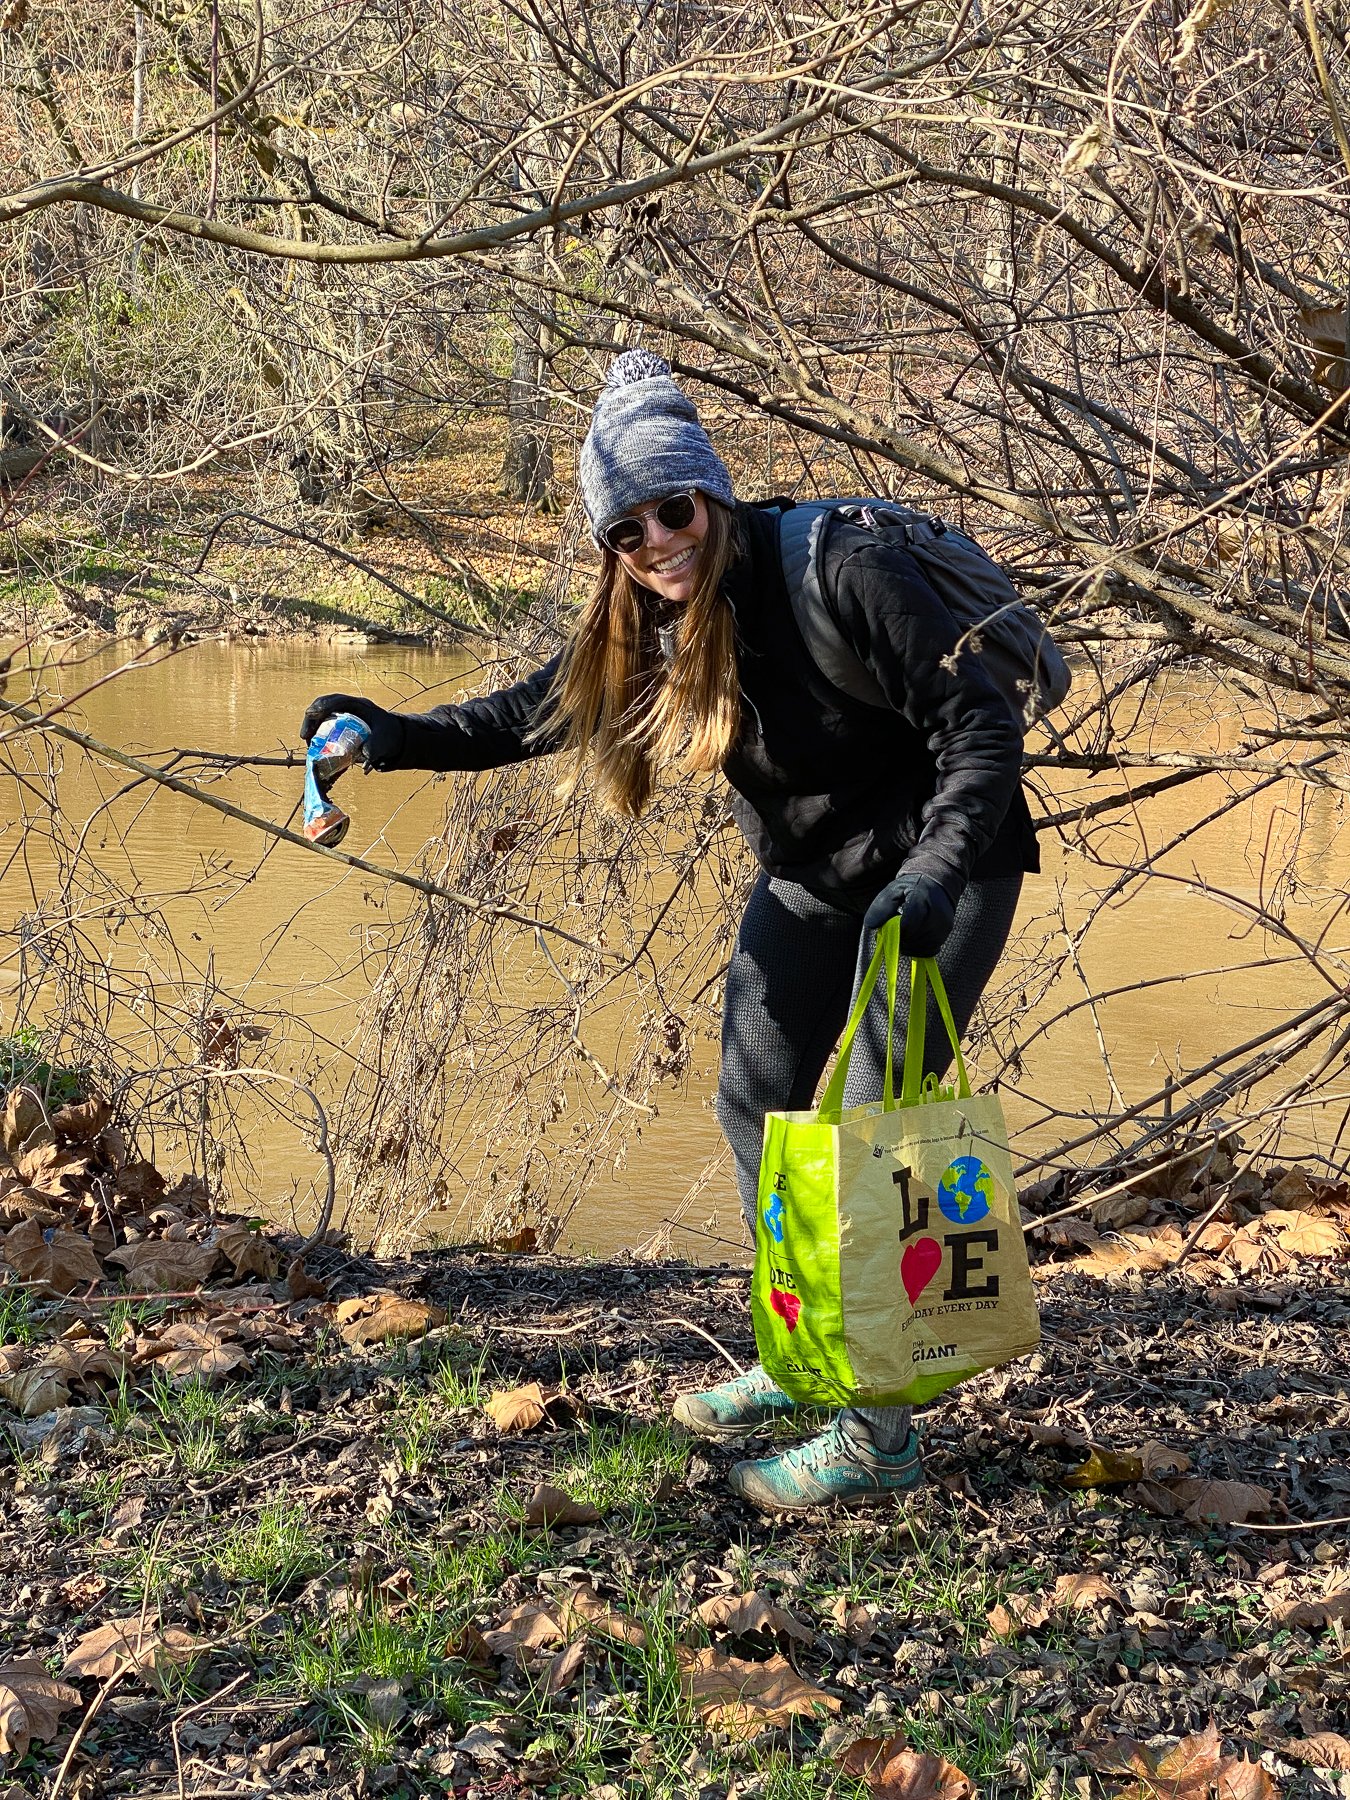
189,619
330,1542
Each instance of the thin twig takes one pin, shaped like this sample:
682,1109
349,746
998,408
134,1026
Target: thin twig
436,890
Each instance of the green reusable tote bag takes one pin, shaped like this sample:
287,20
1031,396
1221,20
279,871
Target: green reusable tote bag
889,1257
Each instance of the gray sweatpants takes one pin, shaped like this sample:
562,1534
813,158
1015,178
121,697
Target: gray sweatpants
788,993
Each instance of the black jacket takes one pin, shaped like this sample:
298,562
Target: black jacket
831,793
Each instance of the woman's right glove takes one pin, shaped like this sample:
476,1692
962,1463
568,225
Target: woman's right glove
926,912
384,747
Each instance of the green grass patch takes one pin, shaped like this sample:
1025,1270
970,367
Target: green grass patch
622,1469
985,1737
345,1662
19,1322
925,1575
186,1420
273,1552
456,1377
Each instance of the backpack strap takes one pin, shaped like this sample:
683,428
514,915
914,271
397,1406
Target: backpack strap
801,538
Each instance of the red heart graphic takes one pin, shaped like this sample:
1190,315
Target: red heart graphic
919,1265
786,1304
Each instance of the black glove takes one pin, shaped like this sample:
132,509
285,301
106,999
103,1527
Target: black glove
926,912
385,747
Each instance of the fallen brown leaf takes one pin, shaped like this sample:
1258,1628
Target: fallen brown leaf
126,1520
1250,1252
1118,1210
738,1614
1296,1190
140,1181
1214,1238
82,1120
157,1263
469,1647
742,1698
385,1701
44,1164
1325,330
380,1317
55,1434
1059,1437
111,1146
1312,1615
84,1362
1068,1231
523,1630
1193,1769
484,1745
582,1608
248,1250
33,1392
1142,1251
893,1771
549,1506
18,1202
1028,1611
1207,1502
31,1704
857,1622
1161,1460
520,1243
133,1643
53,1258
1002,1623
24,1115
301,1285
1304,1234
1324,1750
194,1350
1080,1593
523,1408
1156,1497
80,1592
562,1670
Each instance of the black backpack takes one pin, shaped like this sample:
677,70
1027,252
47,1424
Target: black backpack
1015,650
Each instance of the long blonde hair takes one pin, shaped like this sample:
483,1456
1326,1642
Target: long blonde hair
624,714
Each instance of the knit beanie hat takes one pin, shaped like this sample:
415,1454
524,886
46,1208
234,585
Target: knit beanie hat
645,443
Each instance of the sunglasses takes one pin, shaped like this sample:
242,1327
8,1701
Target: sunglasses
628,534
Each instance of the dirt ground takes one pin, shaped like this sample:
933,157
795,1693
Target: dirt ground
327,1582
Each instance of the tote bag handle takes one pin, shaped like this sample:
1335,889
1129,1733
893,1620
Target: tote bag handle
924,973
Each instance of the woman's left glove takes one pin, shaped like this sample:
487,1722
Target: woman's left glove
926,912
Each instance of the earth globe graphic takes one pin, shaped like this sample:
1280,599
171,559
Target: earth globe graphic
965,1191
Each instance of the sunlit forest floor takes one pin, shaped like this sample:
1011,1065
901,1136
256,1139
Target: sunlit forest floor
436,527
287,1552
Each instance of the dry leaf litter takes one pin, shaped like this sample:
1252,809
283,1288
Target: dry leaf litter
427,1531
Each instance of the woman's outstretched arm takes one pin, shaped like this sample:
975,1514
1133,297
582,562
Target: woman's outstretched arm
484,733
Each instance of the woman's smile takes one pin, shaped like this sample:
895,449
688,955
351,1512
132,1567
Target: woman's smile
667,562
673,564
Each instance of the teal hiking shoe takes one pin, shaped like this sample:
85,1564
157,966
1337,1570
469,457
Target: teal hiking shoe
736,1407
841,1464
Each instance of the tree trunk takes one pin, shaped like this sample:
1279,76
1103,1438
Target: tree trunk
527,470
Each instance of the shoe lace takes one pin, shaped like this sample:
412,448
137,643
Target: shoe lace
817,1451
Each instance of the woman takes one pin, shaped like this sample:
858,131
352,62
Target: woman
687,653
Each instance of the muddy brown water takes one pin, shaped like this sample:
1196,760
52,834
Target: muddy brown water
284,930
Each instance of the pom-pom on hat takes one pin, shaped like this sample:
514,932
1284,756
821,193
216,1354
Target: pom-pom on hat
645,442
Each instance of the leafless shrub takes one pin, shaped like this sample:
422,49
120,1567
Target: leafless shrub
1075,278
